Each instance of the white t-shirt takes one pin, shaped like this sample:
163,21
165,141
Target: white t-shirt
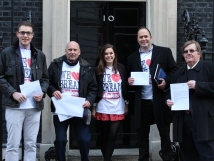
112,101
26,60
70,79
145,63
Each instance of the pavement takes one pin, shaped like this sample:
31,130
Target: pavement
95,155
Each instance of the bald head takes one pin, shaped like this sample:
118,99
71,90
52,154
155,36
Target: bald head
72,43
72,51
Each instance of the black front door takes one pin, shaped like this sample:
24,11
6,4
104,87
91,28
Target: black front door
94,24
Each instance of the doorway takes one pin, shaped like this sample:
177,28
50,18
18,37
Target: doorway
93,24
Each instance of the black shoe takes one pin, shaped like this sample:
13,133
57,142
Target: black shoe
161,155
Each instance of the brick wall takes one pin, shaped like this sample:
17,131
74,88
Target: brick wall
14,11
11,13
203,13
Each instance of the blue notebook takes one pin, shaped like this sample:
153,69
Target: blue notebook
159,73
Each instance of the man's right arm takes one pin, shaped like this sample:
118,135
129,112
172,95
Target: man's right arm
5,87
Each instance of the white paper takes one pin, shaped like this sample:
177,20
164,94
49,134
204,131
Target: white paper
69,105
63,117
180,96
29,90
140,78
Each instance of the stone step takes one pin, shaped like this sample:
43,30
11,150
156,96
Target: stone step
99,158
96,155
118,155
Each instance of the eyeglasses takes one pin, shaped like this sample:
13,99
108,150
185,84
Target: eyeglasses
27,33
190,50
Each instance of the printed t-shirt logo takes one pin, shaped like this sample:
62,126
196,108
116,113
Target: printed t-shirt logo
69,82
27,69
75,75
115,77
111,86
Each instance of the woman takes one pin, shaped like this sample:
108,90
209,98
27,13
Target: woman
111,106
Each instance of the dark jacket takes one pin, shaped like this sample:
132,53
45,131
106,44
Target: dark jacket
124,78
87,80
11,75
163,57
202,102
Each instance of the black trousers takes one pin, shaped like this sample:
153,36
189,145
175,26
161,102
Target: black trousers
190,148
147,118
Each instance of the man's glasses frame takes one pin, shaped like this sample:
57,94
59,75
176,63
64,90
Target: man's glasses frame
190,50
27,33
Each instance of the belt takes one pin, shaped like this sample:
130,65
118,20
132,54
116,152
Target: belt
147,100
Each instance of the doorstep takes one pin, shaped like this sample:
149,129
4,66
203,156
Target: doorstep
96,155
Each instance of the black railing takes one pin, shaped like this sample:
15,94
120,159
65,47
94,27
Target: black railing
191,32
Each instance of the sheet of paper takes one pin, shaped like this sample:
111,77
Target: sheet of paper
180,96
140,78
29,90
63,117
69,105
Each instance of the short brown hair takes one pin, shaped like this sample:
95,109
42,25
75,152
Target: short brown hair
24,23
143,27
198,47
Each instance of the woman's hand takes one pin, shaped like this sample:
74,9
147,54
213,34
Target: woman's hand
93,113
126,109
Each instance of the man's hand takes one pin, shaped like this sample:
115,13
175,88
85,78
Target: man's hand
57,95
86,104
130,80
169,103
19,97
191,84
38,97
162,85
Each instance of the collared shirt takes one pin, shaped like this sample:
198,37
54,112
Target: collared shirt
188,67
22,47
142,52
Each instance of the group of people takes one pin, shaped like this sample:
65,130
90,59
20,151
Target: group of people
105,89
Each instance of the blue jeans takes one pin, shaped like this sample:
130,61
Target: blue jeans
82,135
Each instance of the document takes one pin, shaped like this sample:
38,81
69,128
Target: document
140,78
179,96
29,90
69,105
63,117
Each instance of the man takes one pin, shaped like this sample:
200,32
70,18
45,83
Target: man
194,129
70,73
149,105
19,64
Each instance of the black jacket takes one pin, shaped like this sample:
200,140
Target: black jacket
202,102
163,57
124,78
87,80
11,75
